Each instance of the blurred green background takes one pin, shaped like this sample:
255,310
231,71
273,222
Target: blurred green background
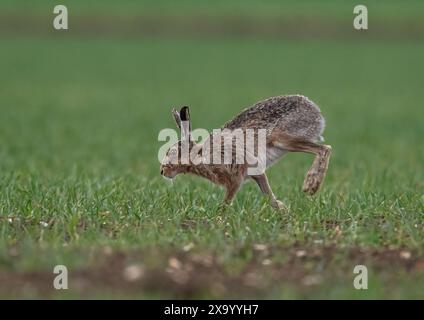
80,111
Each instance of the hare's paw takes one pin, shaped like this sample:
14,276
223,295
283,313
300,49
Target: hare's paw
277,204
223,206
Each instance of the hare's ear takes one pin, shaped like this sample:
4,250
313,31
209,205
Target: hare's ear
176,117
185,122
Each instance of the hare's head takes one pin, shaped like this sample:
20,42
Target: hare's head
174,161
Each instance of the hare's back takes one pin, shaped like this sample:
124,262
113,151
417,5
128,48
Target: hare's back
293,115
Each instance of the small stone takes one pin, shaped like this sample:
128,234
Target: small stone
338,231
174,263
300,253
260,247
266,262
188,247
133,272
311,280
405,255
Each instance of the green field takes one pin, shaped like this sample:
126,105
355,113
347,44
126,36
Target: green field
79,175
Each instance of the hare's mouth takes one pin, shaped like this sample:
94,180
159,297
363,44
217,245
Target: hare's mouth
168,175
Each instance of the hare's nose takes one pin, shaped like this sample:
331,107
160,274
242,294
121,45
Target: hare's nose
161,172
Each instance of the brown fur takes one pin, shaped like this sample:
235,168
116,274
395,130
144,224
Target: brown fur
293,124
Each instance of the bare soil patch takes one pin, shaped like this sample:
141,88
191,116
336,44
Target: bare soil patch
193,275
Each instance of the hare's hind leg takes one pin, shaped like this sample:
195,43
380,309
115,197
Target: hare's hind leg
316,174
262,181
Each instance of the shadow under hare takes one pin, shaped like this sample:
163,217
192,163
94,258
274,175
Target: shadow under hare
290,123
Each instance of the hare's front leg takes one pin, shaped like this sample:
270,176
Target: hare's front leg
262,181
231,190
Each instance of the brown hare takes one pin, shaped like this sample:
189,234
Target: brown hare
293,123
